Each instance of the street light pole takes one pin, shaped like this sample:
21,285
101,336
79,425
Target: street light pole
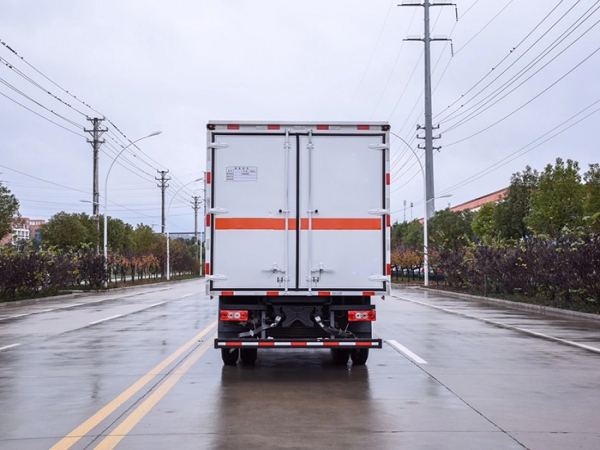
167,228
106,198
426,202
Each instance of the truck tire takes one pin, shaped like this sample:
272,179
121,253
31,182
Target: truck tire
359,356
230,356
340,356
248,356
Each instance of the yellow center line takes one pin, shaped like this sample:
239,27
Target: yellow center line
79,432
136,416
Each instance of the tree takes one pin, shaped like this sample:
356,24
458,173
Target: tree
484,223
118,233
143,239
558,201
9,210
69,231
514,208
591,178
413,235
450,230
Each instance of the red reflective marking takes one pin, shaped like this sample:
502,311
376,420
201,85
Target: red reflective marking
363,127
388,221
331,344
208,178
342,224
389,269
273,127
368,294
208,220
322,127
229,316
233,344
227,293
273,293
364,344
298,344
233,127
207,269
388,179
266,344
322,293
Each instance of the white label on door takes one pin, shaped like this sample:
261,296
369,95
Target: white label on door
241,173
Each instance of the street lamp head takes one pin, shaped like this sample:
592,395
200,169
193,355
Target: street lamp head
155,133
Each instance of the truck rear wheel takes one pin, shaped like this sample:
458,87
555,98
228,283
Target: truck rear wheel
248,356
230,356
359,356
340,356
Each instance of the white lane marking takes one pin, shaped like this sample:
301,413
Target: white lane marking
402,349
105,319
189,295
508,327
68,306
13,317
156,304
9,346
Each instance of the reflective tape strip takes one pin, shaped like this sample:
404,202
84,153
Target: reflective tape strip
342,224
298,344
255,223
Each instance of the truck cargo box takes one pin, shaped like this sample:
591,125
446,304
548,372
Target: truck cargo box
297,224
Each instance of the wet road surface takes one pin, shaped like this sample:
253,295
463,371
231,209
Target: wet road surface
136,370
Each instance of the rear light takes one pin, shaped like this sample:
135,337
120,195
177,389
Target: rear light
234,316
385,128
361,316
210,126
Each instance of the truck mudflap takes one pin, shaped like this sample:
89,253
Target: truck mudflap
298,343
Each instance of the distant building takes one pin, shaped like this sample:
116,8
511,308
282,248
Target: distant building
474,205
23,229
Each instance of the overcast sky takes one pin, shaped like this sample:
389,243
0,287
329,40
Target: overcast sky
522,72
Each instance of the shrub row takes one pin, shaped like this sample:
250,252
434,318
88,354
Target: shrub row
564,270
36,274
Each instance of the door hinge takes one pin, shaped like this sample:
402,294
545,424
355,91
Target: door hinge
216,277
379,278
217,211
379,212
379,146
218,145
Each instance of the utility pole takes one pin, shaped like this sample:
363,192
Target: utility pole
163,187
429,187
195,207
96,132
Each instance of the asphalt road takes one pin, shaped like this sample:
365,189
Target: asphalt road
135,369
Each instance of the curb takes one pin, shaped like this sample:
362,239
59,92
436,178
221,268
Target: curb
539,309
78,294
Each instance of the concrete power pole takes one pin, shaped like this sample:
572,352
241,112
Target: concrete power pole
96,132
163,187
195,207
429,187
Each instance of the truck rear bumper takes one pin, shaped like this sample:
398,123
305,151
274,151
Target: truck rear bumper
298,343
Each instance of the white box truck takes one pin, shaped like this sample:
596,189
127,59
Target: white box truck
297,235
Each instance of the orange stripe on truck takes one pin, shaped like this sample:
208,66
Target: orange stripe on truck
343,224
231,223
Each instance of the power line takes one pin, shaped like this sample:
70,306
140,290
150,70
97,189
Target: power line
528,102
370,59
520,72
